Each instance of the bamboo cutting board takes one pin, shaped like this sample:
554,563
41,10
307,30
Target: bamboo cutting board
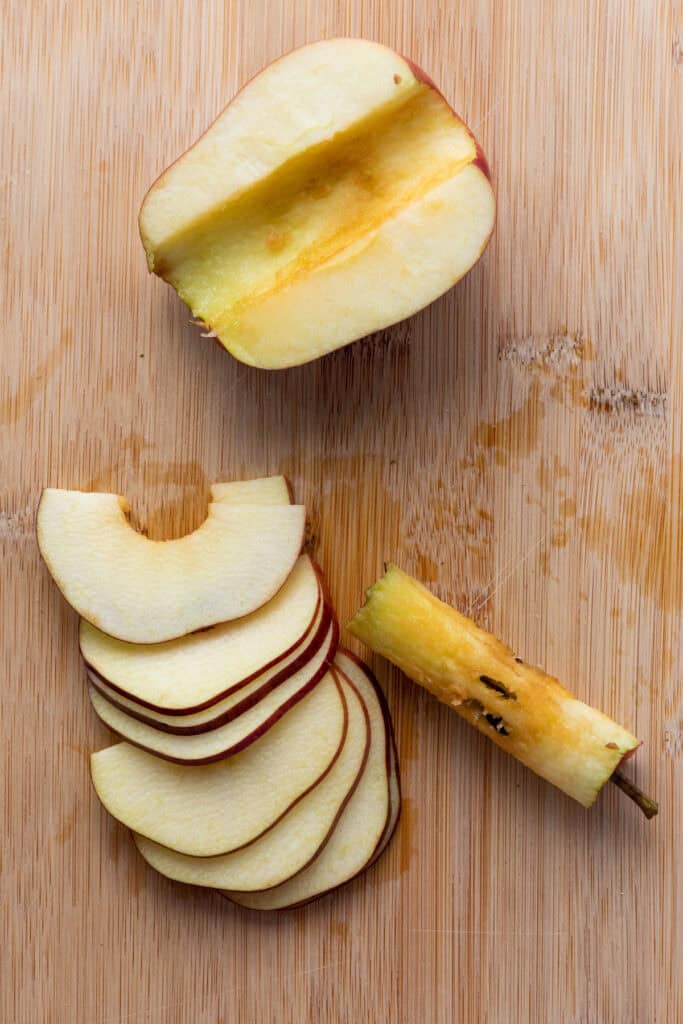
518,446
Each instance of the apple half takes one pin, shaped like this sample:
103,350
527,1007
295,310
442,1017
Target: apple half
239,700
216,808
185,675
295,840
233,736
363,824
146,591
337,194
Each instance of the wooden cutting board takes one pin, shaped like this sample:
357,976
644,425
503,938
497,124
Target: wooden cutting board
518,446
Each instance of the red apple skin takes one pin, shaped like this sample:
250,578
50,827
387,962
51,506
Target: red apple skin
260,730
386,835
324,598
238,709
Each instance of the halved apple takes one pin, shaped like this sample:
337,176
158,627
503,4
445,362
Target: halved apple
235,735
291,844
362,826
239,700
220,807
267,490
147,591
185,675
336,194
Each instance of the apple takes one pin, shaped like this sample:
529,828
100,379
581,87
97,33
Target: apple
216,808
337,194
186,675
240,699
362,826
520,708
294,841
267,490
147,591
233,736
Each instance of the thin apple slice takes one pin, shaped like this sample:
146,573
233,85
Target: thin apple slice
361,827
335,195
186,675
291,844
232,737
267,490
217,808
147,591
239,700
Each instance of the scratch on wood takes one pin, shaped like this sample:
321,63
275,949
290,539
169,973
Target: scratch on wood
556,353
641,401
673,737
677,50
17,525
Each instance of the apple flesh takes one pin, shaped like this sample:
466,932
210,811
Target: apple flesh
226,739
185,675
267,490
337,194
147,591
217,808
294,841
520,708
362,826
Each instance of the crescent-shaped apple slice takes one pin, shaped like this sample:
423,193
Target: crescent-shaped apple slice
146,591
216,808
186,675
231,737
291,844
335,195
362,827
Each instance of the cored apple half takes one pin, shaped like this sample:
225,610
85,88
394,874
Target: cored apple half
217,808
337,194
240,698
145,591
235,735
291,844
194,672
363,825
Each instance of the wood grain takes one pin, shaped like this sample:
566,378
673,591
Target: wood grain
518,445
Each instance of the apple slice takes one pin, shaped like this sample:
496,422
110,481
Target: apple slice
212,809
148,591
291,844
239,700
363,824
335,195
233,736
188,674
267,490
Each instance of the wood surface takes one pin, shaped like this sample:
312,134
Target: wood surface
518,446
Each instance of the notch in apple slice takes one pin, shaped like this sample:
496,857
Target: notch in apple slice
365,821
217,808
186,675
337,194
295,840
147,591
201,748
240,698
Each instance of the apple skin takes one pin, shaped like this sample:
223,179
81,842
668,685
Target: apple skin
237,709
324,598
392,820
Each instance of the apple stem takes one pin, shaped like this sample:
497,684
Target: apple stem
648,806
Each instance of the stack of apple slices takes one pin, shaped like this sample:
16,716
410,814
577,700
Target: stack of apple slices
259,758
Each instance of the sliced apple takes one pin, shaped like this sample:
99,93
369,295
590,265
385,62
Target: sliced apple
233,736
239,700
148,591
267,490
188,674
362,825
336,194
212,809
291,844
